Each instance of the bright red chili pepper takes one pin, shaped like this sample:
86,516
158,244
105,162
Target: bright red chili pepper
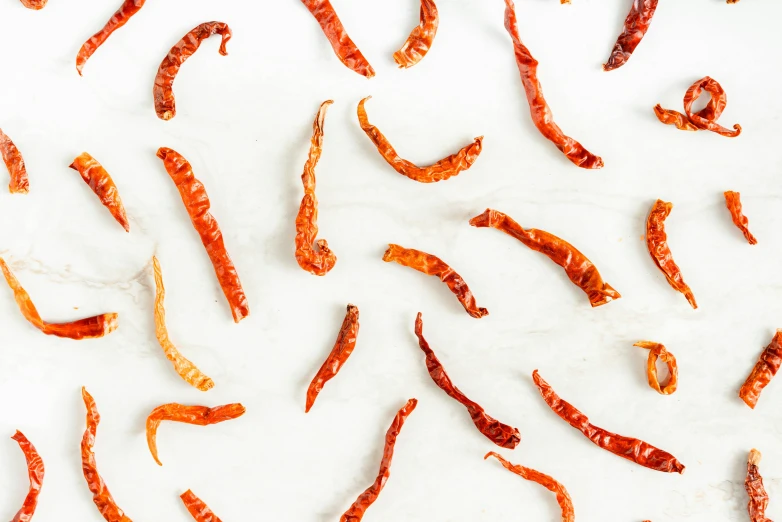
117,20
198,508
35,472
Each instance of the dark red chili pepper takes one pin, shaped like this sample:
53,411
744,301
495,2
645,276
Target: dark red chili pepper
704,119
117,20
420,40
198,508
758,498
15,163
765,370
733,202
35,471
636,25
34,4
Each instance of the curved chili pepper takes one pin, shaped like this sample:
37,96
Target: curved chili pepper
442,170
433,265
578,268
420,40
733,202
539,109
657,244
658,351
100,492
89,328
313,255
628,448
497,432
15,163
765,370
196,415
343,46
356,512
117,20
102,185
197,204
563,497
636,25
34,4
704,119
35,471
758,498
198,508
343,347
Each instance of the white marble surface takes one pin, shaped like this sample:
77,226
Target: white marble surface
244,122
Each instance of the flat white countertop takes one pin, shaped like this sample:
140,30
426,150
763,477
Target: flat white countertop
244,122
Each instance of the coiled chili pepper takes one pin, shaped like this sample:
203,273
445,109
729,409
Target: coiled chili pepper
15,163
198,508
102,185
34,4
117,20
765,370
35,472
420,40
658,351
636,25
758,498
704,119
733,202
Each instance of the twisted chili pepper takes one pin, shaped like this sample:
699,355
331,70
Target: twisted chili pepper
117,20
34,4
13,160
102,185
733,202
658,351
198,508
420,40
765,370
704,119
758,498
636,25
35,472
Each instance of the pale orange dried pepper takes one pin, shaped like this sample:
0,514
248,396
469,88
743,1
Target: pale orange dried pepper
420,40
733,202
658,351
198,508
117,20
15,163
102,185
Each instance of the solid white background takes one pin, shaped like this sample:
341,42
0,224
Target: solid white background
244,122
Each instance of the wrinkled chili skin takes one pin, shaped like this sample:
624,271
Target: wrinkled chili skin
658,351
343,46
636,25
433,265
35,472
758,498
343,347
420,40
541,113
628,448
765,370
197,204
356,512
19,184
657,245
442,170
577,266
94,175
674,118
704,119
500,434
34,4
117,20
198,508
733,202
163,91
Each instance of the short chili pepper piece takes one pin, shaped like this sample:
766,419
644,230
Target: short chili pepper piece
658,351
636,24
765,369
102,185
35,472
117,20
198,508
420,40
19,184
758,498
733,202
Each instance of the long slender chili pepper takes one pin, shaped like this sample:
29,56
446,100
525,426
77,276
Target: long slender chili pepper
102,185
733,202
89,328
658,351
196,415
34,4
500,434
563,497
35,471
578,268
313,255
15,163
343,46
420,40
626,447
657,244
186,369
758,498
636,25
765,369
198,508
163,91
117,20
197,205
704,119
356,512
100,492
343,347
442,170
539,109
433,265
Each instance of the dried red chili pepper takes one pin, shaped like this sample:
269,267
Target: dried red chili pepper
733,1
432,265
313,255
626,447
765,370
35,471
563,497
343,347
198,508
636,25
100,492
89,328
34,4
196,415
15,163
197,204
442,170
758,498
657,244
343,46
102,185
658,351
704,119
578,268
356,512
539,109
733,202
497,432
117,20
420,40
